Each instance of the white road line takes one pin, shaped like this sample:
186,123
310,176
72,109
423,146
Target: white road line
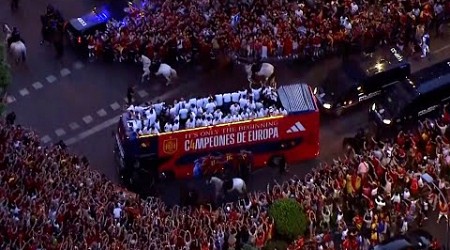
115,106
78,65
88,119
102,113
51,78
10,99
60,132
74,125
24,92
65,72
441,49
108,123
37,85
45,139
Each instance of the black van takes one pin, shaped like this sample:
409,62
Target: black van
424,95
77,29
361,78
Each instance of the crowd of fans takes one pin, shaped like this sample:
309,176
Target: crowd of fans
50,199
260,28
201,112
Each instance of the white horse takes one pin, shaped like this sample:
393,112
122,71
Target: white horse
164,69
266,72
237,184
17,49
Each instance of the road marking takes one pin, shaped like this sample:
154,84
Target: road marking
88,119
74,125
101,113
142,93
441,49
108,123
60,132
115,106
65,72
51,78
10,99
78,65
24,92
45,139
37,85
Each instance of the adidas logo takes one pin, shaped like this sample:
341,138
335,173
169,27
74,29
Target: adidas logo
297,127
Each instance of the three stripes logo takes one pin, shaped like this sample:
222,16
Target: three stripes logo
297,127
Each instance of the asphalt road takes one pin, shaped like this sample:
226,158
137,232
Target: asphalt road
79,102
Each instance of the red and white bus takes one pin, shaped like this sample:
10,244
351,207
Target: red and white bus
294,136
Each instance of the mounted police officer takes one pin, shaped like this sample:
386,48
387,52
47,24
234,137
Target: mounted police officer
15,37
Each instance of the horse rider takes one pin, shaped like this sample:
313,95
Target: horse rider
256,67
15,37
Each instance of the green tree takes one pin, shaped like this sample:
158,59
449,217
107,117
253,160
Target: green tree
5,76
289,217
276,245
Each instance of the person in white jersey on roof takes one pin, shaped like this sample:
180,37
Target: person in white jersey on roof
218,113
168,127
243,101
190,123
210,106
183,114
176,125
256,94
158,107
199,122
234,109
242,92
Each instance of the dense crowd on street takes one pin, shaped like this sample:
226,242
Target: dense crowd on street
51,199
259,28
201,112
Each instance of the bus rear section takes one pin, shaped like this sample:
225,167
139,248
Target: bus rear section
293,136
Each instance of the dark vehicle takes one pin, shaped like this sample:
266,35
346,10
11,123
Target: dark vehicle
78,29
424,95
414,240
361,78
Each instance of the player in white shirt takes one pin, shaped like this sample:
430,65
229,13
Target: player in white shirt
173,111
252,115
208,115
199,122
192,101
236,118
210,106
244,115
168,127
154,130
251,104
227,118
157,125
256,93
176,125
243,101
190,123
283,111
261,113
259,105
216,121
193,109
235,97
235,108
218,113
158,107
219,100
183,113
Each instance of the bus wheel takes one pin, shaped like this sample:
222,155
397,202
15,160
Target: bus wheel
167,176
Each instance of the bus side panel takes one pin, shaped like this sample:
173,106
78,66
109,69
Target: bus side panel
294,136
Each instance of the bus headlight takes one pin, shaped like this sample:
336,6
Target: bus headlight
315,91
374,107
327,105
387,121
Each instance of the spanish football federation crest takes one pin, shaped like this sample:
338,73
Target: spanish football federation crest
170,146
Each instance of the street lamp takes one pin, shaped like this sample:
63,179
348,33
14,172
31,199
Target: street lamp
429,179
